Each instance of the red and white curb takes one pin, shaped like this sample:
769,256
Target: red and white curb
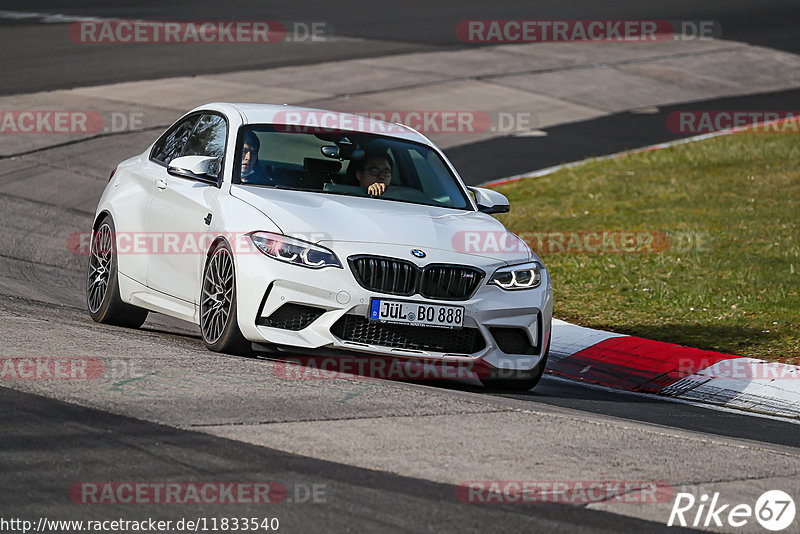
654,367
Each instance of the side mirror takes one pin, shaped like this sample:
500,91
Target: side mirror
490,201
203,168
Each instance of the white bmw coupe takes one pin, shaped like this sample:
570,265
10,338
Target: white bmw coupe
301,229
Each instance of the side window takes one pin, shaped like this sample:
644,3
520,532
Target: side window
207,139
430,168
171,145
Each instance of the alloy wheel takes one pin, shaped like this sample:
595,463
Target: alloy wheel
217,297
101,256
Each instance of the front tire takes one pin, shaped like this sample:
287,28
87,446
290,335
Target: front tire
102,282
218,320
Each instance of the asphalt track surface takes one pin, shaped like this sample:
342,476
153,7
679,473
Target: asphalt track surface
41,57
90,445
51,439
510,156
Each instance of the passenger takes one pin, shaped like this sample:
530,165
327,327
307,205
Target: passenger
374,172
251,172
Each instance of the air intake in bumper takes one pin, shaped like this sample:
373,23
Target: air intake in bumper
291,316
361,330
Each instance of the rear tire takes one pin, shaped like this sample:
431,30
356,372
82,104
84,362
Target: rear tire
516,380
218,319
102,281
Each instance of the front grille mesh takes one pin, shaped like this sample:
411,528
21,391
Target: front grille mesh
292,317
361,330
386,275
400,277
450,282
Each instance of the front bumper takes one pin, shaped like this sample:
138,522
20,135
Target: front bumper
265,285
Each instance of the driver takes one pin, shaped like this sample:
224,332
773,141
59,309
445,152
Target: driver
374,172
252,173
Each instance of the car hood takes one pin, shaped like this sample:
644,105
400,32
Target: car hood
319,217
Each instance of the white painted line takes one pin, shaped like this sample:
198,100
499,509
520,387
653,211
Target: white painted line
48,18
550,170
554,168
715,407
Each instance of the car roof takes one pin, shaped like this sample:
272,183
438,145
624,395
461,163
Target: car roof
283,114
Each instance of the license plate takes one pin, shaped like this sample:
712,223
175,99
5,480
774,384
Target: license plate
416,314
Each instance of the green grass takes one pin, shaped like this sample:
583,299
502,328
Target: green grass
729,280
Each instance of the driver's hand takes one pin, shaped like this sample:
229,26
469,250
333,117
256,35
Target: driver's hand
376,189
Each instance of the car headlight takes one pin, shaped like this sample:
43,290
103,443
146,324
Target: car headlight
294,251
525,276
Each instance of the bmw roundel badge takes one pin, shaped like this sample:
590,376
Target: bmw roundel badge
418,253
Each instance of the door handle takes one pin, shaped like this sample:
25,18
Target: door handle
161,183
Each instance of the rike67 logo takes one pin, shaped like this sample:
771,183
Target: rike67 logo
774,510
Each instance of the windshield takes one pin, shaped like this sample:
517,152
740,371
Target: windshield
345,163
